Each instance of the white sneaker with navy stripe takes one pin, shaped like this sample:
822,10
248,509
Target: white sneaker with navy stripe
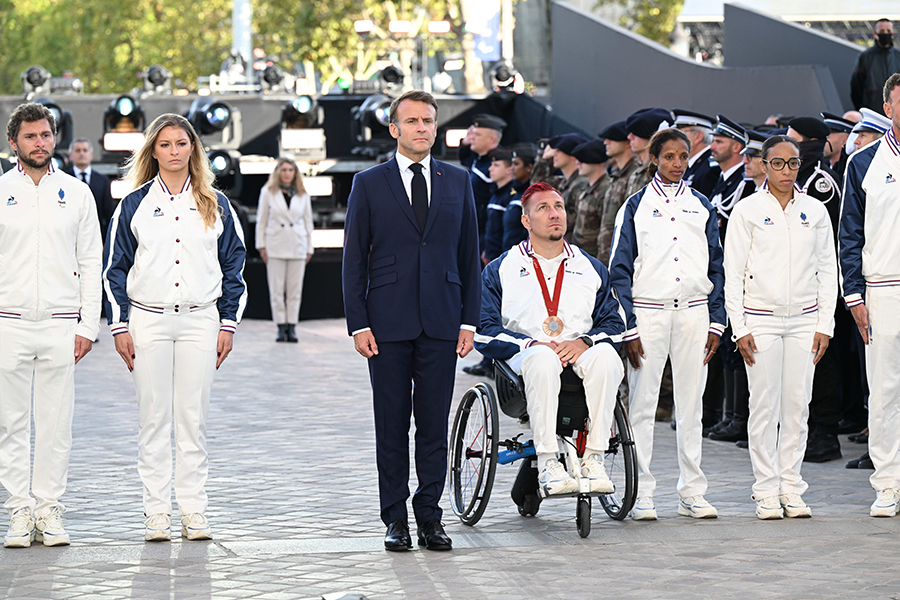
158,528
554,479
21,529
794,506
48,528
885,504
195,527
697,507
643,509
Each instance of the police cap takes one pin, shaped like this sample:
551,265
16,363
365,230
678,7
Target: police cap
687,118
837,124
755,141
727,128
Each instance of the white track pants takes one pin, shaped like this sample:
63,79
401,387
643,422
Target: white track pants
42,354
883,370
601,369
780,391
681,336
174,364
285,278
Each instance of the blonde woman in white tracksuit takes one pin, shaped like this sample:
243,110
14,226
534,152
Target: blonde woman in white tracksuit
780,293
666,269
174,287
284,226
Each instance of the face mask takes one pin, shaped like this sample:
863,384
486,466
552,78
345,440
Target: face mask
885,40
812,150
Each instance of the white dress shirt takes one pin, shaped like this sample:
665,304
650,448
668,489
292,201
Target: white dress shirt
406,174
87,174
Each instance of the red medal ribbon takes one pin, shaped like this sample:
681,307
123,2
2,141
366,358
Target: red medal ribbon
552,304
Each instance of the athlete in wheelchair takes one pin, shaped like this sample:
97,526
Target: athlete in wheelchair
552,326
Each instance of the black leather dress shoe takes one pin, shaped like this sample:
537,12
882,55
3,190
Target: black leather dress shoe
480,370
845,426
733,432
432,536
822,448
863,462
397,538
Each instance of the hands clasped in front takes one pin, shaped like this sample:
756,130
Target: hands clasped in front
568,352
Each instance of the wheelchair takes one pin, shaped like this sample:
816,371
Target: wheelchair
475,450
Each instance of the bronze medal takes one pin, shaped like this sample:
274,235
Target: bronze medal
553,326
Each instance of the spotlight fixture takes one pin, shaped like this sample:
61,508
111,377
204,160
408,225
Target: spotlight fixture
63,120
226,166
157,80
218,121
504,78
271,76
300,134
36,80
123,125
370,126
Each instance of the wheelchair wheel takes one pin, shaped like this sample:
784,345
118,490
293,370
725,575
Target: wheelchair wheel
530,506
583,516
621,464
473,453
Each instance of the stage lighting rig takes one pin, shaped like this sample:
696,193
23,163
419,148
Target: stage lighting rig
301,135
157,80
226,166
504,78
63,120
370,126
123,125
36,80
217,122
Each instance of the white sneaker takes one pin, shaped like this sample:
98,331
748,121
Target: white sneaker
195,527
769,508
554,479
697,507
885,504
158,528
48,528
794,506
643,509
592,468
21,529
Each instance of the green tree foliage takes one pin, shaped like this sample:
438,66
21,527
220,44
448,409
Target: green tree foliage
107,43
653,19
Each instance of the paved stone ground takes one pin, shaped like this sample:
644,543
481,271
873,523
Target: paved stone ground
294,508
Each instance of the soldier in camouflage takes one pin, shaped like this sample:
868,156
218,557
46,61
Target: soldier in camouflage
592,161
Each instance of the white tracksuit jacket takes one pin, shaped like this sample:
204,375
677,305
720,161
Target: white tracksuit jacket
780,262
50,249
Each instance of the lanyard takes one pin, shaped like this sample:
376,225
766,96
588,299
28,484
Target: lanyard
552,304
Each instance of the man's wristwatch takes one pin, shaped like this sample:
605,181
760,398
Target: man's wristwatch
587,340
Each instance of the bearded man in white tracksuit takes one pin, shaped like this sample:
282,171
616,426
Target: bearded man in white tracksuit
50,251
546,304
870,270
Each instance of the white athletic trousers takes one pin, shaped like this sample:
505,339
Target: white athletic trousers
681,336
285,276
39,353
601,369
780,391
174,364
883,370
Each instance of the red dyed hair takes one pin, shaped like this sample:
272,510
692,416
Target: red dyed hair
536,188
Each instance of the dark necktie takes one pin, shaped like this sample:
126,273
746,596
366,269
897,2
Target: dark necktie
84,176
419,195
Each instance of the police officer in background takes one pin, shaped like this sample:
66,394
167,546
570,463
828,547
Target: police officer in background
702,172
641,126
592,162
523,166
482,136
622,163
570,183
729,139
835,150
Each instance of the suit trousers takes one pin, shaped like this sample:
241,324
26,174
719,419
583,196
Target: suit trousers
601,369
174,365
883,371
412,378
780,390
38,354
681,336
285,277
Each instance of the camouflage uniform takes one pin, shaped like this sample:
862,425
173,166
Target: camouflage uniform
637,180
571,190
613,200
587,220
543,171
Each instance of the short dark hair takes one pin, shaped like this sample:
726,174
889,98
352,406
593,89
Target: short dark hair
660,138
882,20
413,96
29,112
774,141
889,85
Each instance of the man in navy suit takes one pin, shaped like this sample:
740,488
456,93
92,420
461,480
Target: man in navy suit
81,153
412,298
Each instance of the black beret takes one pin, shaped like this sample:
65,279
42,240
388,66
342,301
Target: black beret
567,142
615,132
728,128
811,127
644,123
592,152
687,118
836,123
501,154
489,122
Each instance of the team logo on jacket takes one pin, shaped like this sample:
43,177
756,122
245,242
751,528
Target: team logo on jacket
768,221
523,272
656,213
158,212
803,220
889,179
11,202
61,201
823,186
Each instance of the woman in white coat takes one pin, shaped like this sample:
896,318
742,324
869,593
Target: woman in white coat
284,226
780,293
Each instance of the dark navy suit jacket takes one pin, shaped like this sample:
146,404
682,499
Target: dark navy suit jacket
400,281
100,187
